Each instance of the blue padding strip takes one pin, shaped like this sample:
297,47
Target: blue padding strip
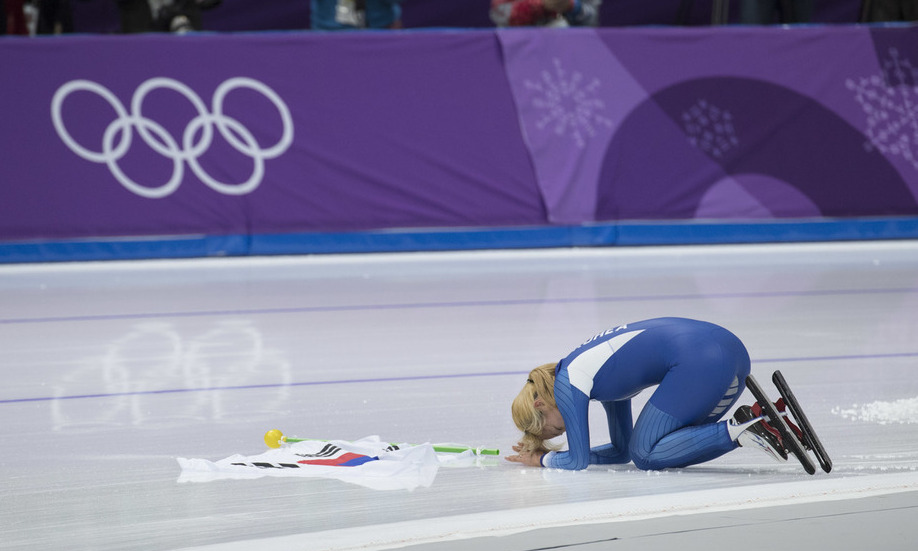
595,235
125,248
694,233
435,240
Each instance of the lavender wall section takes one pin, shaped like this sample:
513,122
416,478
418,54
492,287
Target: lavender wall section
299,142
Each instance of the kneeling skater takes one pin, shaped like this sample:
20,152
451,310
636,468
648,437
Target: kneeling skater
700,369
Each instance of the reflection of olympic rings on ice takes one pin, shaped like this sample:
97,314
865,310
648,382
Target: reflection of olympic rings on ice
159,374
196,139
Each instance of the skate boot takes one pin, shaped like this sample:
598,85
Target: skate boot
753,431
755,410
782,409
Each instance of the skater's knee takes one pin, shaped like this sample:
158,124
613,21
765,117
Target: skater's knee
641,456
643,463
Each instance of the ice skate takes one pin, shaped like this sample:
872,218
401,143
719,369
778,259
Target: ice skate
755,410
754,432
779,421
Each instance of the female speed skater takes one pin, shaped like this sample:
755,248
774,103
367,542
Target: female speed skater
700,369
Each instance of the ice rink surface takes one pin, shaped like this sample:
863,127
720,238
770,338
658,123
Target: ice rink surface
113,370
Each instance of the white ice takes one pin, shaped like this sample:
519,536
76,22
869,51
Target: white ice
113,370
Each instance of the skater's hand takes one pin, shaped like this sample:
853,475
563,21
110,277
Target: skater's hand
531,459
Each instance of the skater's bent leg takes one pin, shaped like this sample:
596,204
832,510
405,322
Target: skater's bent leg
678,426
661,441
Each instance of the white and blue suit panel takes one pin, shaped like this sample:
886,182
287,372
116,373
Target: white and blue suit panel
700,369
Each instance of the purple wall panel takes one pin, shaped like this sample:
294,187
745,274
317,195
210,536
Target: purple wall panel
690,123
325,133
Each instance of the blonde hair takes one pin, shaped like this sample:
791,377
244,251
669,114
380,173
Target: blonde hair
539,385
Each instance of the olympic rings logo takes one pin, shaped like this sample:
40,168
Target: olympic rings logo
196,138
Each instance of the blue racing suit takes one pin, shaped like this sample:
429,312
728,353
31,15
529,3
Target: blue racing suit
700,369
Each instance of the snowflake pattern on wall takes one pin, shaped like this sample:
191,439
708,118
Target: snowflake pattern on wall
568,104
710,128
890,101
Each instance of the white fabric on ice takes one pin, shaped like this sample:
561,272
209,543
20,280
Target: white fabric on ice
402,469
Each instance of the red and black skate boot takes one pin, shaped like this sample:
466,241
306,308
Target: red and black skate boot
756,410
758,426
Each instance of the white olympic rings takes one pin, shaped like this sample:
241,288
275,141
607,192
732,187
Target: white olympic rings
196,139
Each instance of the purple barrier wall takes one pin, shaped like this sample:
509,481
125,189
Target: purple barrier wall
682,124
290,133
158,135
